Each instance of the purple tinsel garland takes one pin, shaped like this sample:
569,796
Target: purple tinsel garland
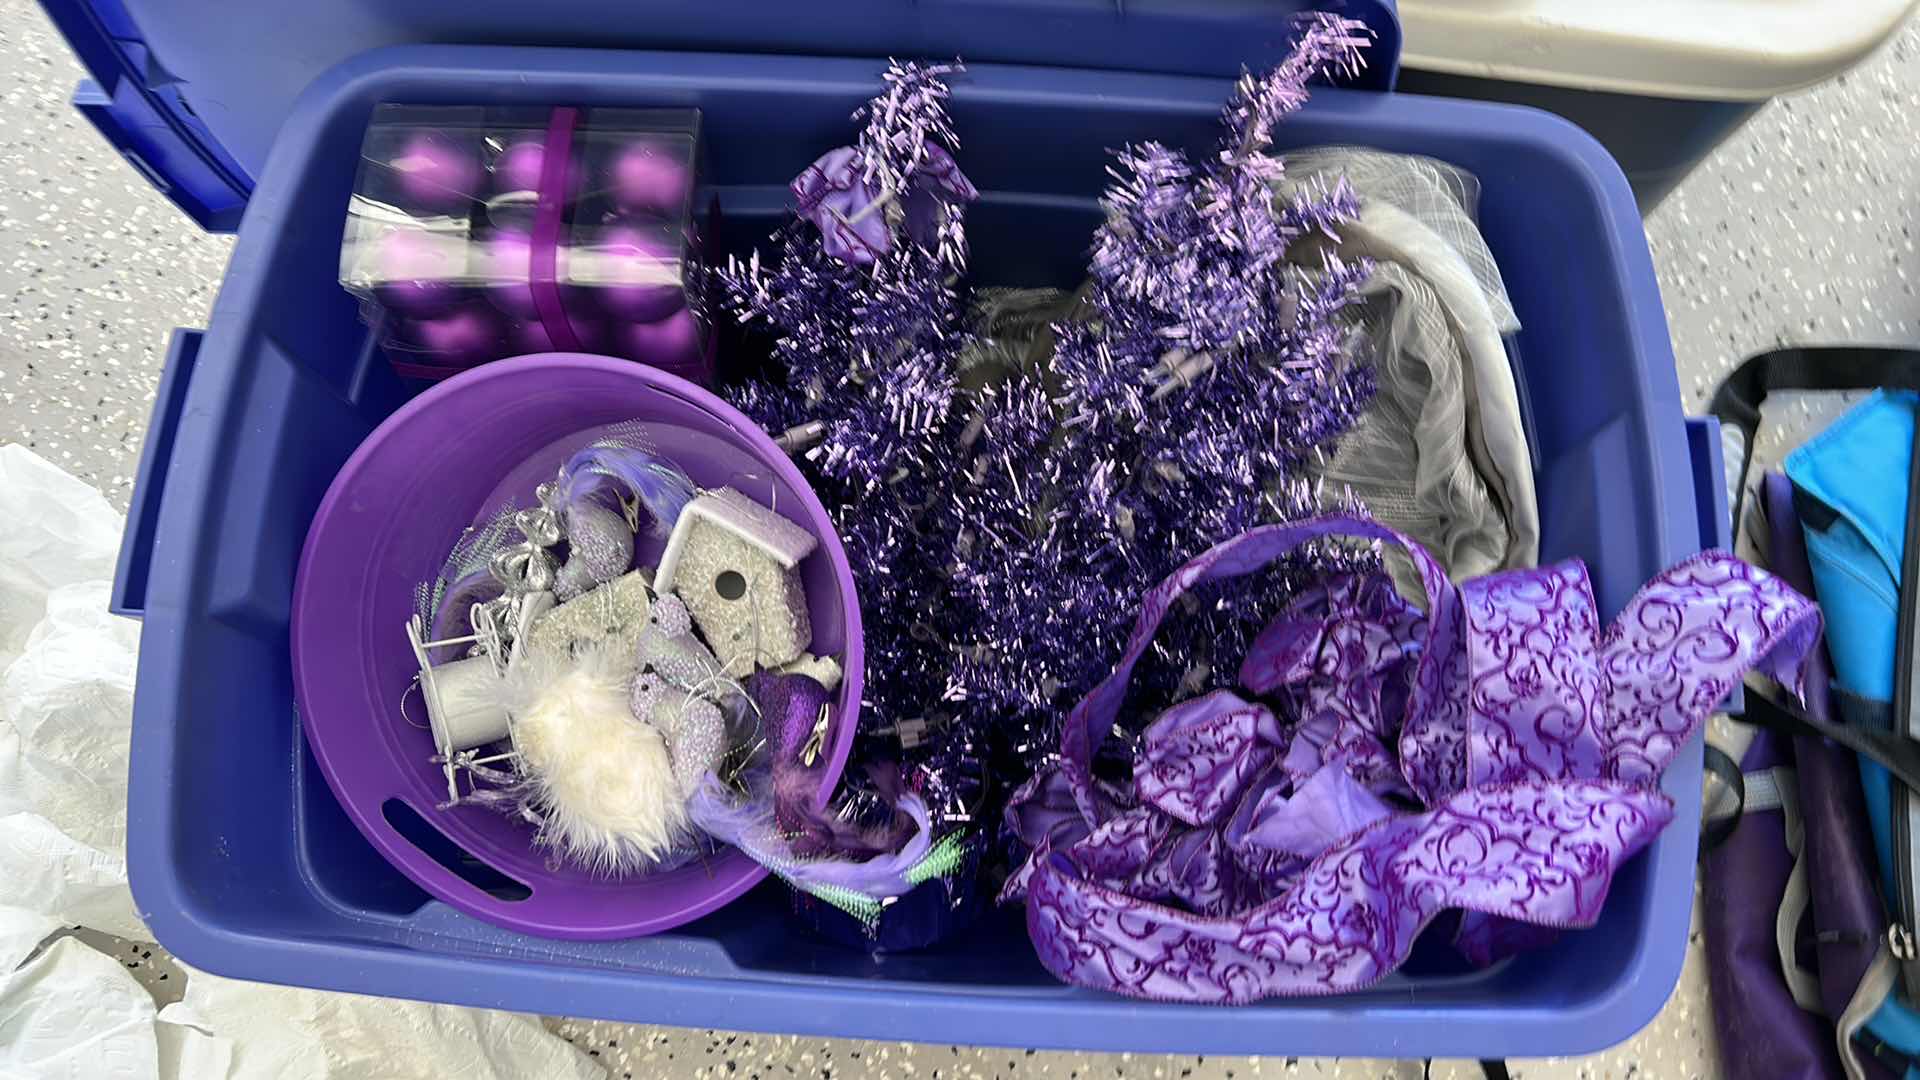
1001,535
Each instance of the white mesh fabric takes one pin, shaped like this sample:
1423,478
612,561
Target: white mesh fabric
1441,454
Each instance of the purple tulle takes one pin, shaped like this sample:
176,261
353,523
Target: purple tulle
1498,754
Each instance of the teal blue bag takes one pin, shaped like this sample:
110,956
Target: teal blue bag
1853,486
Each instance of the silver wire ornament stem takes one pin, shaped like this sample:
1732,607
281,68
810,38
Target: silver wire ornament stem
800,437
886,196
1177,371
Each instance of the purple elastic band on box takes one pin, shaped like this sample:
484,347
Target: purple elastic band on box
541,272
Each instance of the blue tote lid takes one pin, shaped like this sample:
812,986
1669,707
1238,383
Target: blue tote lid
192,91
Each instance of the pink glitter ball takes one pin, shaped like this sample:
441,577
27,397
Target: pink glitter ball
470,335
637,275
675,343
417,271
506,265
435,172
649,178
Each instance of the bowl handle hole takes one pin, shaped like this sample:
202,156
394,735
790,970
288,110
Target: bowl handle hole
458,861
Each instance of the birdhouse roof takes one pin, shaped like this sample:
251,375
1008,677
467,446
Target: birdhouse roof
777,537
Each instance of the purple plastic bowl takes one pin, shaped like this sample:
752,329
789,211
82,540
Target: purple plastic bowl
386,524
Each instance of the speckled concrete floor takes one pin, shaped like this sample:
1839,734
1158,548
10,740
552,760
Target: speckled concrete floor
1800,230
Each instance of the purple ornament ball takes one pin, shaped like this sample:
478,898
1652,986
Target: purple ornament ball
470,335
519,166
434,171
507,268
674,343
418,271
525,338
636,275
648,178
531,336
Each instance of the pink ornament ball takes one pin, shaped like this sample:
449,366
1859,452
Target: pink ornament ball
507,269
637,276
647,177
418,271
435,172
470,335
675,343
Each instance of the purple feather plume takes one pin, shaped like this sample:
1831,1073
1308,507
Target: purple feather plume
749,825
610,475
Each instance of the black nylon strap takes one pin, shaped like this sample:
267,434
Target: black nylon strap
1737,402
1839,367
1906,664
1716,831
1896,753
1857,711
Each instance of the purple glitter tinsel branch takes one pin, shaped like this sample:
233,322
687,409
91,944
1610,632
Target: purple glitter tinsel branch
1001,535
869,347
1209,373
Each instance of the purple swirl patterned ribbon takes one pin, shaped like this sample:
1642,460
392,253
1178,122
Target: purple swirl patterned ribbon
1494,752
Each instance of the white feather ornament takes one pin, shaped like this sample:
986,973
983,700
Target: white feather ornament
600,781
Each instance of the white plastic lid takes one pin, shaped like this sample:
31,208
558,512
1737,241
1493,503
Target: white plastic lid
1721,50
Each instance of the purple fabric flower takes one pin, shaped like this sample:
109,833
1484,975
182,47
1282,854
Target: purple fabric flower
846,201
937,184
1532,741
839,199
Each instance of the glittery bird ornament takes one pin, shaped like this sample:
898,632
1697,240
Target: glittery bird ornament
677,686
604,495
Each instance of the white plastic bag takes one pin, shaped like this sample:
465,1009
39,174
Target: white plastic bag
58,531
248,1030
66,712
65,708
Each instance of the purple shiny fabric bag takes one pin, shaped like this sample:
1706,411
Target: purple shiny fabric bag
1849,918
1763,1033
1496,753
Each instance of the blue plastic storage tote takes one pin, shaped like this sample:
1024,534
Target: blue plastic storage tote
241,861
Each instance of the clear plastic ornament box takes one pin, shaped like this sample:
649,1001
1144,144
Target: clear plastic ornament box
253,115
